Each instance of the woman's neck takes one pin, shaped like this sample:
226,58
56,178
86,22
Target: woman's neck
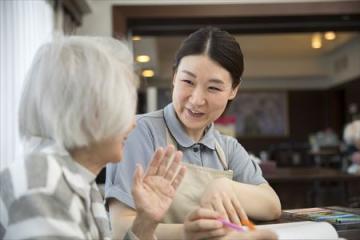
195,135
88,159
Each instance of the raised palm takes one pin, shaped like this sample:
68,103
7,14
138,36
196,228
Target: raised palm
154,191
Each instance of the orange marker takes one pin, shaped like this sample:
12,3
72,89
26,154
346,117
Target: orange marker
249,224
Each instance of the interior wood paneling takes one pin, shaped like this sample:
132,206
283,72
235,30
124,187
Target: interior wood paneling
167,13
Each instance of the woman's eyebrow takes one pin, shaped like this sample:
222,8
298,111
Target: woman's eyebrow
212,80
216,81
189,73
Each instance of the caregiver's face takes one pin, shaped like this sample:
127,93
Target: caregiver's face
202,89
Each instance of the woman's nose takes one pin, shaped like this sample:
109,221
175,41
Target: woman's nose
197,97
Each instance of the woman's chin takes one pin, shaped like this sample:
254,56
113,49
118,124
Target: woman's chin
191,122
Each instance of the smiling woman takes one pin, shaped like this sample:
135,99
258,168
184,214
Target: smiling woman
220,174
197,80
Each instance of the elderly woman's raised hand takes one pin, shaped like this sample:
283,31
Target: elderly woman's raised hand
155,190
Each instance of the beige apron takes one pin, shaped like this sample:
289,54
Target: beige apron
196,179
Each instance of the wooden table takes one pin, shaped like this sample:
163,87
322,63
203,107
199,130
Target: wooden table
349,234
309,187
326,157
308,174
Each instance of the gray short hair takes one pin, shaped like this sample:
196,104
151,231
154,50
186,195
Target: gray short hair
79,90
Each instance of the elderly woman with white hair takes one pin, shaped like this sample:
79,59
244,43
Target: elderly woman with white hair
77,108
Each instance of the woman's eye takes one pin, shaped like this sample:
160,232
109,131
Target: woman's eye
214,89
188,82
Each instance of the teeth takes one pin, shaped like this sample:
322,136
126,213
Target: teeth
195,112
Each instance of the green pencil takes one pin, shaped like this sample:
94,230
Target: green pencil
349,219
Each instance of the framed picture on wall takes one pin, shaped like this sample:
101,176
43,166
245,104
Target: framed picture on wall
260,114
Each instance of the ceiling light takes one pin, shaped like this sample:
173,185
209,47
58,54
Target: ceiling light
316,41
330,35
148,73
136,38
143,58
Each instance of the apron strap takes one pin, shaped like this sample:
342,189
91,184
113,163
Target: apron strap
170,139
221,155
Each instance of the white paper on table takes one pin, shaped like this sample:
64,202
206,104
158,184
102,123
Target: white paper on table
303,230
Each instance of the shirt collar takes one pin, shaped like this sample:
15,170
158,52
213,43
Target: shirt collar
49,146
177,130
85,173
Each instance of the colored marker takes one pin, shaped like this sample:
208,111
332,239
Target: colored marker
231,225
249,224
348,219
332,216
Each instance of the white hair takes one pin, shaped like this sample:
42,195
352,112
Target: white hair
79,90
352,132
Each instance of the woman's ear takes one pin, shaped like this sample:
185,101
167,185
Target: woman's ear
234,92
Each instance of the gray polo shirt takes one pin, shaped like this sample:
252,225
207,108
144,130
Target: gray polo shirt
150,134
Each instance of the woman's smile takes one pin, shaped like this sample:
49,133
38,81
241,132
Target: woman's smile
194,114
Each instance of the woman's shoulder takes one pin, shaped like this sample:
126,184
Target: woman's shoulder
151,118
37,173
154,114
224,139
149,132
150,123
230,143
37,170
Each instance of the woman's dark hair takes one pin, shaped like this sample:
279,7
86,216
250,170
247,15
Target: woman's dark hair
219,45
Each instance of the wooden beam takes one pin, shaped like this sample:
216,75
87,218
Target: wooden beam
122,14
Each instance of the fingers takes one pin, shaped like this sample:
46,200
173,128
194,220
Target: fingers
137,181
174,165
202,223
240,211
203,213
199,225
138,176
231,211
155,162
169,152
220,197
179,177
166,163
218,206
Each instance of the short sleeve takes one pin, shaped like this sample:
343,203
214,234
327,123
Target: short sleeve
138,149
245,169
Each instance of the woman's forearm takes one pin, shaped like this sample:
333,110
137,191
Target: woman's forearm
170,231
259,201
122,218
163,231
121,224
